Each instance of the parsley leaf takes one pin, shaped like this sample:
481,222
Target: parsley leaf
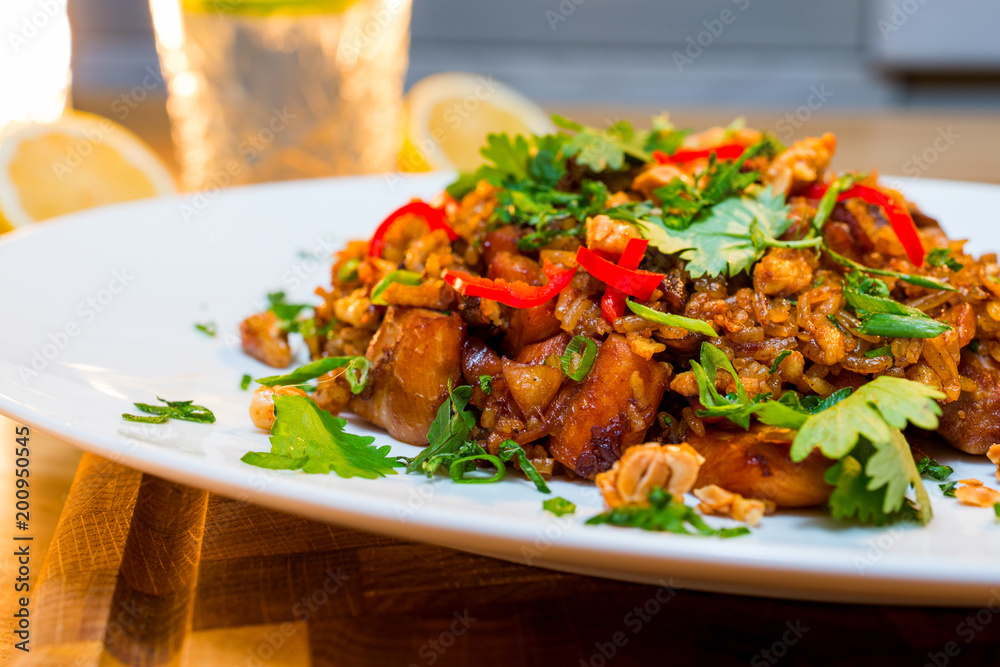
933,469
664,514
306,437
942,257
286,312
448,432
184,410
727,238
873,416
559,506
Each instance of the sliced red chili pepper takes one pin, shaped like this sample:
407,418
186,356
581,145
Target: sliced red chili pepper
899,218
613,302
640,284
434,217
516,294
722,152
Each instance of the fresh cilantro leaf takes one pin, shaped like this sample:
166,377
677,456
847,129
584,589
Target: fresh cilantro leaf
784,354
875,413
356,373
509,156
948,489
664,514
604,150
942,257
728,238
245,382
448,432
207,328
664,137
933,469
852,499
287,313
184,410
306,437
814,404
559,506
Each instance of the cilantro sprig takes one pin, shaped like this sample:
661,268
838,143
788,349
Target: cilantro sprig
665,514
183,410
355,370
306,438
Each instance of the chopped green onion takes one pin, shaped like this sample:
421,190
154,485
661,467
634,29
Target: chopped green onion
578,358
664,420
245,382
349,270
784,354
901,326
996,510
691,324
458,469
208,328
558,506
948,489
879,352
410,278
829,199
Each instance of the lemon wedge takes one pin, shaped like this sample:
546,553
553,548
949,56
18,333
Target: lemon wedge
448,116
76,162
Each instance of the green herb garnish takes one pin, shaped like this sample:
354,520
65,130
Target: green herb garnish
449,431
879,352
245,382
933,469
666,515
207,328
942,257
184,410
784,354
356,372
919,281
558,506
948,489
578,358
349,270
486,384
287,313
308,438
409,278
666,319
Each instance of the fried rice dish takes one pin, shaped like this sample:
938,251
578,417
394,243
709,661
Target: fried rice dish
662,311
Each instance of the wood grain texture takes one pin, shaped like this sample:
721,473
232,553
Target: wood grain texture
271,589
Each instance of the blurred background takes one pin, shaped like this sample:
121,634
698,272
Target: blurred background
871,54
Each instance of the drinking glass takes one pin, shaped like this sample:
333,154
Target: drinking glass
262,90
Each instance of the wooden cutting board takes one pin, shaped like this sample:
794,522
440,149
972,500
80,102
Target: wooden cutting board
146,572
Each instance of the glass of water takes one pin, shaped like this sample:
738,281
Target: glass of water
264,90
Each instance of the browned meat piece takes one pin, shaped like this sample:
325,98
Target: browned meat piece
478,359
265,340
592,422
972,423
783,271
755,464
503,239
532,386
525,325
413,355
435,295
537,353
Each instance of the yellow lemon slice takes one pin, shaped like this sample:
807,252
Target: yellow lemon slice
448,116
76,162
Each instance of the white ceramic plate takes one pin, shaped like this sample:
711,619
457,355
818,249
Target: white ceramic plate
98,311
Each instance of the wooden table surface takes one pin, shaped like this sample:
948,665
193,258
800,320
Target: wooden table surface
407,595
